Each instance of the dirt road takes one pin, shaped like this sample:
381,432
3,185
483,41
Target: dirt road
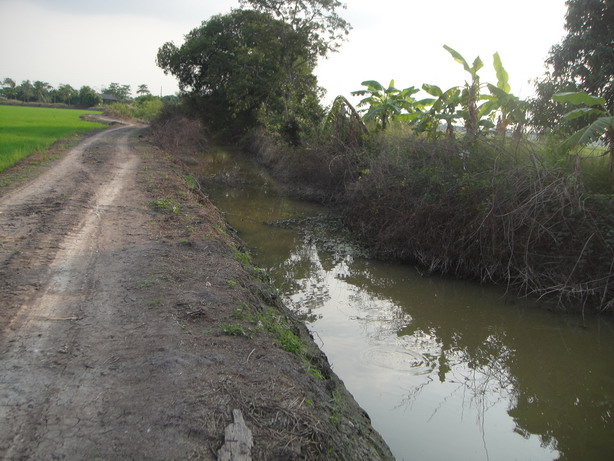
118,286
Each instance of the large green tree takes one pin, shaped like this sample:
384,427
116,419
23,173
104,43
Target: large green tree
318,20
8,88
121,92
88,97
41,90
583,61
586,55
25,91
65,94
235,66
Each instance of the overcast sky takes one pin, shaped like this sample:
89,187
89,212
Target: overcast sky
93,42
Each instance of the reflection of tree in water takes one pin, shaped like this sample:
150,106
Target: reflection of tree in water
556,379
566,396
379,318
304,280
554,388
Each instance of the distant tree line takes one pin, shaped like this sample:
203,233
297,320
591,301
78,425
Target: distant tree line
44,93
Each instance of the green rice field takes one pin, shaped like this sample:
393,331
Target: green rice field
25,130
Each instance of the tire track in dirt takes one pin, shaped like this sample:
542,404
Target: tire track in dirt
72,374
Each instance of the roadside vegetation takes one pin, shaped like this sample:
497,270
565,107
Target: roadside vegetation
469,180
24,130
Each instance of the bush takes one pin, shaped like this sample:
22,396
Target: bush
176,131
149,109
120,110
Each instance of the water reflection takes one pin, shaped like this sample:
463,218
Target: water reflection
446,369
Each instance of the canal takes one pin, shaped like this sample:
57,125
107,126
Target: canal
446,369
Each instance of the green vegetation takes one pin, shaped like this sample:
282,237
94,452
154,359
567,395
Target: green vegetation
602,125
165,205
144,108
24,130
279,329
234,329
255,67
449,181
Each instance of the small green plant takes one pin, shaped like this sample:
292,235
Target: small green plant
231,283
273,322
165,205
243,257
191,181
317,374
289,341
234,329
154,302
146,283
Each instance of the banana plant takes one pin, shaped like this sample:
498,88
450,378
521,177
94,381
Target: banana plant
471,93
602,126
441,108
510,108
385,104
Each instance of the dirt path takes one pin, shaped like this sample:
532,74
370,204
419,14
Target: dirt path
118,289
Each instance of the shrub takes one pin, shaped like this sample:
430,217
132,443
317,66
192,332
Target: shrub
120,110
149,109
176,131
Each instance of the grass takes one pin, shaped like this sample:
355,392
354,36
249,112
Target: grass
273,323
165,205
25,130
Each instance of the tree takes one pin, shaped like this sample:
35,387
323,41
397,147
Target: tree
511,109
321,29
471,92
603,124
25,91
318,20
88,97
586,55
121,92
41,91
65,94
583,61
143,90
8,88
443,108
235,68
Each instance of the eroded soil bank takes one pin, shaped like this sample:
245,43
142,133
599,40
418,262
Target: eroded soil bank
132,325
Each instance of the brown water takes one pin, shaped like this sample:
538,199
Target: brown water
447,370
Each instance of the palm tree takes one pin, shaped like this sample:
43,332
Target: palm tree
41,90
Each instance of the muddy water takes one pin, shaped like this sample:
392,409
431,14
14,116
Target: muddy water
446,369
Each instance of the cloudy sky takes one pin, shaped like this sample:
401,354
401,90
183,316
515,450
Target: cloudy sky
93,42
